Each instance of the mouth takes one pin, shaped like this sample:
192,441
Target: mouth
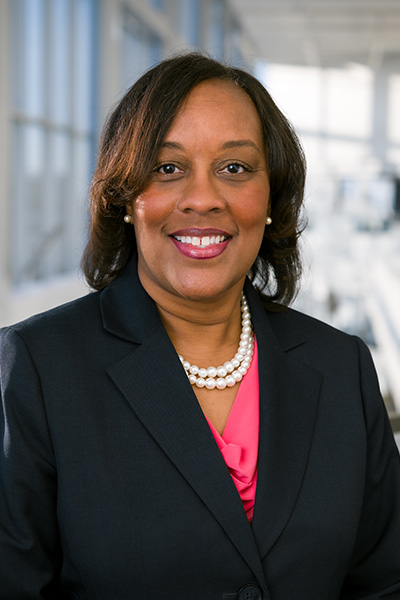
201,241
201,244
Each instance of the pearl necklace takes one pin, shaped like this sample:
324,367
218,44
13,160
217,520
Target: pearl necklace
233,371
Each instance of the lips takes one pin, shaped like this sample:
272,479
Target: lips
201,243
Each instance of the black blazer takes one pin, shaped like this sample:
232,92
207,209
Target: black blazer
113,488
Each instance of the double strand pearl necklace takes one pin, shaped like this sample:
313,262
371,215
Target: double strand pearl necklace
233,371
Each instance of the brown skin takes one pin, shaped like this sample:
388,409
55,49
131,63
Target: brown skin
216,178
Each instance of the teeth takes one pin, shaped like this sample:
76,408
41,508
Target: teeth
201,241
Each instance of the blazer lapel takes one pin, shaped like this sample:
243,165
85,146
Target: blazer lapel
152,380
289,394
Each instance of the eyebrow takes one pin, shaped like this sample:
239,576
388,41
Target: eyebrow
230,144
241,144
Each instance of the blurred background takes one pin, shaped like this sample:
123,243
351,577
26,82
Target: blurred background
333,67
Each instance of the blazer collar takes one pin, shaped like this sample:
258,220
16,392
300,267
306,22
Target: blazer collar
289,397
162,398
127,310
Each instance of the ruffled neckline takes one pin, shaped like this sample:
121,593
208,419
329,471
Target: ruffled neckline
239,441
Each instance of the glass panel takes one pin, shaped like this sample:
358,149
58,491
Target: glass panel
76,205
216,39
191,17
132,57
236,57
34,54
59,57
155,51
53,150
141,48
29,239
58,195
349,102
159,4
83,41
16,56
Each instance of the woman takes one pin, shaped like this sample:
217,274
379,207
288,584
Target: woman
170,436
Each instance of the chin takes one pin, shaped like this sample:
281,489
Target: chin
203,291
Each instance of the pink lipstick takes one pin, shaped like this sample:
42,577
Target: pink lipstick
201,243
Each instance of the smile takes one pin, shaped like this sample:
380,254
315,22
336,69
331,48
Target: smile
202,242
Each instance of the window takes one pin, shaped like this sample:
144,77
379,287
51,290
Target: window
52,103
158,4
186,19
217,29
142,48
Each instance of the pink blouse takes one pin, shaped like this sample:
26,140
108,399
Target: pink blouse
239,441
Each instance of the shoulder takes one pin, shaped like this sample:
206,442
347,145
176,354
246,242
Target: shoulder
320,345
63,322
290,324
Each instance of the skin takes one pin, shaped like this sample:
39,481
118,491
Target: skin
211,177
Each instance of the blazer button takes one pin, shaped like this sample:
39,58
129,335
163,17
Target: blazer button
249,592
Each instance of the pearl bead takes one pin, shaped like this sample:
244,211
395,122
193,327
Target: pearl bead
235,362
200,382
237,376
202,373
212,371
229,366
230,381
192,379
242,370
221,383
210,383
186,365
221,372
194,369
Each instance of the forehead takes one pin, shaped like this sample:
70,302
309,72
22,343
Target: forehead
220,106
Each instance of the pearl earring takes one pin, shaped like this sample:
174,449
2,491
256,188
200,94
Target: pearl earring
127,218
268,221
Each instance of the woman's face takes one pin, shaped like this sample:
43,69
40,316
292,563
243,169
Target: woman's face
200,222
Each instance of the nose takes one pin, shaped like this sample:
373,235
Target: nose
201,194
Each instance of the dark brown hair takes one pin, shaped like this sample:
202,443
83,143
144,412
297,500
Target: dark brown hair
130,143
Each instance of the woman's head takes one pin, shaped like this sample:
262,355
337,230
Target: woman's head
131,142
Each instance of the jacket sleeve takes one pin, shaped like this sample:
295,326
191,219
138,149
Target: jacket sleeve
374,572
29,541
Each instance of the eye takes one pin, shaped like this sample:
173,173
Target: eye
234,169
167,169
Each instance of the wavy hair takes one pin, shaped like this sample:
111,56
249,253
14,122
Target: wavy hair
129,146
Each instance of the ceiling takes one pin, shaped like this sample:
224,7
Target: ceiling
321,32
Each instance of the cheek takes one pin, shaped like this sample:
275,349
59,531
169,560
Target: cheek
149,210
252,211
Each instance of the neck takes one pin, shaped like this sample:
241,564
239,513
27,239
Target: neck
204,331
